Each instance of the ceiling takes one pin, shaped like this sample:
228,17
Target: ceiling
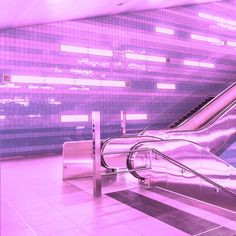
15,13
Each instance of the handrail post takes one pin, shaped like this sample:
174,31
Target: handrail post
97,180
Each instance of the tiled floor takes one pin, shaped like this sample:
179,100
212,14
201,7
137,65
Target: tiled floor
35,201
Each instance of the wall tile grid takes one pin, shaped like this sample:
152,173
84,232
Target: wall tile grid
80,58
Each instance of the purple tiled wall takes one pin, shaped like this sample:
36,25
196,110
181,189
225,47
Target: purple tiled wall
30,113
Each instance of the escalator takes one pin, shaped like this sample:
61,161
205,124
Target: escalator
212,127
214,136
121,145
190,113
205,114
184,159
186,168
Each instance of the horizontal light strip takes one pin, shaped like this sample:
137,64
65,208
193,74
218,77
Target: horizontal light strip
63,81
216,18
164,30
74,118
231,44
165,86
83,50
143,57
136,116
199,64
2,117
229,27
34,116
207,39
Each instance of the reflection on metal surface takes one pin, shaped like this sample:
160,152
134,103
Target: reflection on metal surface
183,159
213,136
97,178
178,160
213,133
187,168
207,112
77,159
121,145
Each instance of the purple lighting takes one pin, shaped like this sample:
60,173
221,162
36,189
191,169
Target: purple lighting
63,81
164,30
143,57
231,44
74,118
83,50
2,117
165,86
217,19
199,64
136,117
34,116
207,39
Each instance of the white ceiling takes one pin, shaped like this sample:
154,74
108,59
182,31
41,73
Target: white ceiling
15,13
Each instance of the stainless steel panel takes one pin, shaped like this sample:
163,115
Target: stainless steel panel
206,113
77,159
123,122
191,167
97,178
179,179
212,137
121,145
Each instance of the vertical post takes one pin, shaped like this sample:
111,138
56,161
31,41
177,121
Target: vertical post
123,122
97,183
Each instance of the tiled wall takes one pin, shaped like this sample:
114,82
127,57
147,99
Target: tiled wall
124,48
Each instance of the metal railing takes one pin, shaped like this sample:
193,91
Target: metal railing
169,159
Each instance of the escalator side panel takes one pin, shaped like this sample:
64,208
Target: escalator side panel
213,137
181,180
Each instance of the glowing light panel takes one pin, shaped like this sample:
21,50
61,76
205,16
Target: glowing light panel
165,31
2,117
84,50
64,81
207,39
216,18
165,86
74,118
231,44
144,57
199,64
136,116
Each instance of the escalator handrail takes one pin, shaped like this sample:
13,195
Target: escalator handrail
191,113
204,107
208,124
106,141
209,103
173,161
218,116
